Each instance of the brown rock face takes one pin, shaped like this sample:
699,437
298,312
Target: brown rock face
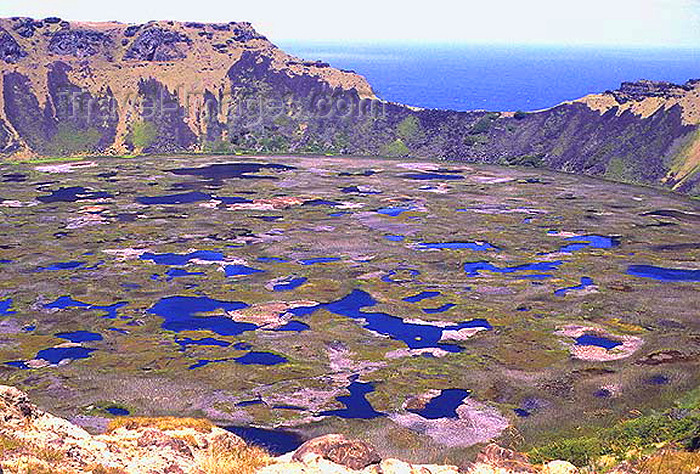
353,454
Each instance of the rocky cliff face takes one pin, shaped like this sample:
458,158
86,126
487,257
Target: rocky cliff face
167,87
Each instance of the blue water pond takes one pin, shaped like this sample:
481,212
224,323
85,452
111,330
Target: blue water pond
395,238
290,284
56,355
5,306
250,403
219,172
599,341
79,336
439,309
180,272
206,341
356,189
117,411
273,259
415,336
535,276
657,379
72,194
64,302
663,274
185,313
602,393
184,198
444,405
61,266
423,295
317,260
319,202
293,326
580,242
429,176
240,270
473,268
232,199
276,442
478,246
356,404
203,362
389,277
260,358
393,211
585,282
182,259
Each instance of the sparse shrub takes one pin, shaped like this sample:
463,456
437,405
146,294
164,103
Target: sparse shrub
70,140
471,140
409,128
397,148
483,125
579,451
218,147
534,161
143,134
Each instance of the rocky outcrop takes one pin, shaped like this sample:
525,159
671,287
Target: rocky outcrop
80,43
641,90
35,441
10,50
158,44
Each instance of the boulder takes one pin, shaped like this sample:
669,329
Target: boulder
354,454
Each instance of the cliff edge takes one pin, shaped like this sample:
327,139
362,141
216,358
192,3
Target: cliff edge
75,88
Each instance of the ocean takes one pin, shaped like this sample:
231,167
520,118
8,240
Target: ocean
498,77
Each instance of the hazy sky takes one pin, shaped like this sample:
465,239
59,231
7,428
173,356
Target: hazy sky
595,22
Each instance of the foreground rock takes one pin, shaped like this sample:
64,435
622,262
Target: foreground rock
36,441
336,448
33,441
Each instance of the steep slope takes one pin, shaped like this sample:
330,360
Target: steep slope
92,87
168,87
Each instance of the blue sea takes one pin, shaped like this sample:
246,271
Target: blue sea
498,77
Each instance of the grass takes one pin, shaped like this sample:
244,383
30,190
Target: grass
635,438
242,460
162,423
671,462
8,444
